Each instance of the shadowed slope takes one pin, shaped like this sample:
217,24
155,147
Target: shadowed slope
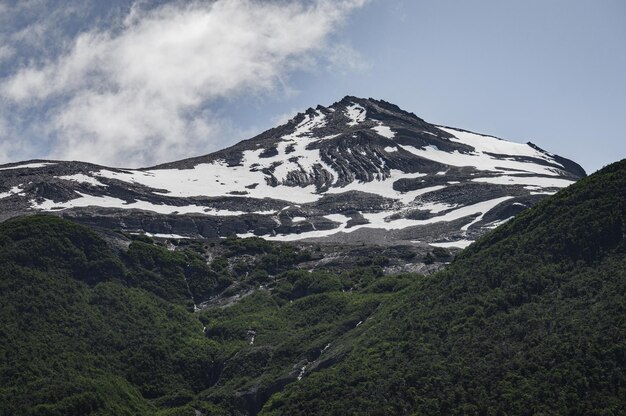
528,320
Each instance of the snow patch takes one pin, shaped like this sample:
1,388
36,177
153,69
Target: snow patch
483,208
543,193
173,236
82,178
218,179
496,224
382,220
539,182
483,143
86,200
15,190
356,114
458,243
481,158
246,235
384,187
30,165
436,207
384,131
337,218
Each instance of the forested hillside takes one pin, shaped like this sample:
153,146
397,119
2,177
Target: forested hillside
529,320
95,327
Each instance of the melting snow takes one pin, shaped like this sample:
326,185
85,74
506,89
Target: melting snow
218,179
390,149
338,218
384,131
527,180
79,177
492,144
382,220
356,114
159,235
459,243
29,165
379,220
483,208
496,224
480,158
543,193
246,235
213,179
436,207
385,189
16,190
86,200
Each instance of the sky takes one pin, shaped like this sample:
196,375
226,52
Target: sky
136,83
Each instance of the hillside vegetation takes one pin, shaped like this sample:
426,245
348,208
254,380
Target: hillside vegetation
88,329
531,319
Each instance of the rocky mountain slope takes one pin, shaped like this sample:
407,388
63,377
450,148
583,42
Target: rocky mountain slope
360,170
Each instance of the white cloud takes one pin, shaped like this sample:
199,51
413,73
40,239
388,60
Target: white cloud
3,126
139,94
346,60
6,51
283,118
7,146
37,29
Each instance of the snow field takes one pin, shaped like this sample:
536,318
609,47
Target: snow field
29,165
15,190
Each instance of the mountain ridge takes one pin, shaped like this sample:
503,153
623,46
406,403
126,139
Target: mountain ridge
345,173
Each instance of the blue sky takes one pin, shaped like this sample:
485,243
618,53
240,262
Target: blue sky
138,83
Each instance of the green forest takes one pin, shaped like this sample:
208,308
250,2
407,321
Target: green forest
529,320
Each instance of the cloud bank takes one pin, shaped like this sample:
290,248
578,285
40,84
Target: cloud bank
141,91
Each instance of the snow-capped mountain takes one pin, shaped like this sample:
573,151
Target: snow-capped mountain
360,170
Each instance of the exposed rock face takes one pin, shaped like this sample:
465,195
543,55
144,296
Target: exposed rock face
358,170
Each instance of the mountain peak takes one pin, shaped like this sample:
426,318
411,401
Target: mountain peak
375,106
357,170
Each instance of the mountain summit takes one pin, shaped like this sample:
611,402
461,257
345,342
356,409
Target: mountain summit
360,170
